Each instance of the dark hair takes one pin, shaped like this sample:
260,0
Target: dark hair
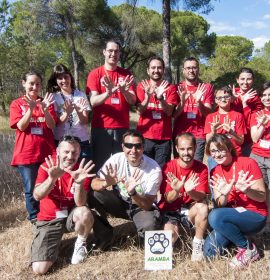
133,133
264,87
246,70
59,70
222,142
112,41
31,73
225,89
155,57
185,135
191,58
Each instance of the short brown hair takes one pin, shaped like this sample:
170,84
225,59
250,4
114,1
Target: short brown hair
222,142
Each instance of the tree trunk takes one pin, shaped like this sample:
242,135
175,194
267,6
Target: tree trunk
166,17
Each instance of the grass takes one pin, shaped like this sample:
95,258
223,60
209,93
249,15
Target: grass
124,261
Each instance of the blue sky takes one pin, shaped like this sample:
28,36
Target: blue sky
247,18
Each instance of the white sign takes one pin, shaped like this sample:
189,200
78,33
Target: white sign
158,250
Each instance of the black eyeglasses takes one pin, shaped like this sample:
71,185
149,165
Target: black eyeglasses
70,138
137,146
226,97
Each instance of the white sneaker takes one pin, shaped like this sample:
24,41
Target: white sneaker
197,251
79,254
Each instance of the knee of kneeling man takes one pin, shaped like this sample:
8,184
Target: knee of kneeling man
39,269
85,215
203,209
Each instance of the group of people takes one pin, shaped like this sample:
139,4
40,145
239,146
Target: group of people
72,183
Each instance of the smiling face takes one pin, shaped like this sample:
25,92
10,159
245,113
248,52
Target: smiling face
220,155
68,154
186,150
191,70
64,82
265,98
223,99
111,53
155,70
133,149
245,81
32,86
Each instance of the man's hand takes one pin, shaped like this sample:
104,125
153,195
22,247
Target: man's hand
227,124
82,172
54,171
161,89
108,83
124,85
198,95
174,182
192,182
111,175
133,181
215,124
183,95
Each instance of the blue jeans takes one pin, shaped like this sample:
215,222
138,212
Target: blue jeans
231,227
29,175
158,150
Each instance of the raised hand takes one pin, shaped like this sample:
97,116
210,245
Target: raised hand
47,101
133,181
244,182
183,95
80,105
82,172
161,89
234,93
262,118
111,175
53,168
174,182
248,95
215,124
108,83
68,106
201,90
227,124
124,85
31,103
148,89
192,182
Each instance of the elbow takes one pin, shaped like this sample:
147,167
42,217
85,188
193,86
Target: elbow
36,197
21,128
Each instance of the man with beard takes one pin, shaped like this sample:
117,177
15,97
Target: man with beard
156,102
111,91
126,186
61,187
183,190
196,100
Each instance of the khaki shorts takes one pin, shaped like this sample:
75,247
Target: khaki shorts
47,238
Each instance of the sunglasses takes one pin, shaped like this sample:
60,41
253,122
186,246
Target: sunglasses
137,146
70,138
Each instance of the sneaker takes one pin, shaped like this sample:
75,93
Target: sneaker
197,251
244,257
79,254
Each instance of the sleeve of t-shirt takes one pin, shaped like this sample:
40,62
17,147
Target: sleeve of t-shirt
92,82
140,93
172,97
209,96
15,114
42,175
153,183
207,126
253,168
111,161
240,126
253,120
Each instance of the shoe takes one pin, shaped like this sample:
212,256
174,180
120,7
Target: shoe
79,254
244,257
197,251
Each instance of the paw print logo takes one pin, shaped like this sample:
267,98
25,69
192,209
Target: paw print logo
158,243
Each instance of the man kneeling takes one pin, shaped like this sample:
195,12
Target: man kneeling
61,187
183,190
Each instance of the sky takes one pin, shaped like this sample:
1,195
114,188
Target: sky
247,18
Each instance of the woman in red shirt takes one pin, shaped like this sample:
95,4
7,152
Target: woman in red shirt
33,118
239,194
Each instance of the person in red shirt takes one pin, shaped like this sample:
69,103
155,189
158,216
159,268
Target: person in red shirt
196,100
61,187
183,190
246,101
225,121
111,91
260,134
239,195
156,100
33,117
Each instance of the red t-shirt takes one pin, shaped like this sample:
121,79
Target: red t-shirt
237,125
262,147
236,198
172,166
191,119
61,196
36,142
114,112
154,123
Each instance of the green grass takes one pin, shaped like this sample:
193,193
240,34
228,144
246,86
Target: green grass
4,124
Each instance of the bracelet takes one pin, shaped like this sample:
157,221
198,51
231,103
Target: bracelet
132,194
